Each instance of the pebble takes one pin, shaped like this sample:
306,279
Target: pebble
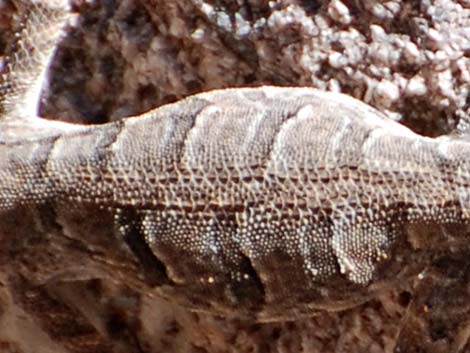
416,87
386,92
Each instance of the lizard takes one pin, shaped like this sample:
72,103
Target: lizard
271,203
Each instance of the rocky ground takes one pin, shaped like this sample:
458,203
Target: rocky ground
410,59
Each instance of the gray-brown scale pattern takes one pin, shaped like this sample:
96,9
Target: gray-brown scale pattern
236,193
266,202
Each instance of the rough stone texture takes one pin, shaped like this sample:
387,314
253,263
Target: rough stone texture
410,59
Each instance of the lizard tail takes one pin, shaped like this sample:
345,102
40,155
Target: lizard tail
40,27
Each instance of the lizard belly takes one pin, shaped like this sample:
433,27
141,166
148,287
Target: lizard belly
267,264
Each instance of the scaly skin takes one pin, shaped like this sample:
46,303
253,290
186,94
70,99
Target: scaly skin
271,203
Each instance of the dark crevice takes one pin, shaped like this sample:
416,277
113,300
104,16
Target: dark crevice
129,227
249,290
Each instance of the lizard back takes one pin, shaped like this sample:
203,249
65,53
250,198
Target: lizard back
269,201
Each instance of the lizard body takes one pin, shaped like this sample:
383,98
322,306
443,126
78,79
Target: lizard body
254,187
268,202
